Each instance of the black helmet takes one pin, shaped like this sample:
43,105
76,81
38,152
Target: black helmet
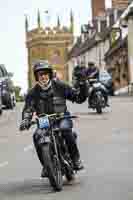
42,66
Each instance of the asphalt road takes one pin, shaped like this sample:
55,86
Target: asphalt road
105,143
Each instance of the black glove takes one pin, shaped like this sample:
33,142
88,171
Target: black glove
79,76
25,124
82,91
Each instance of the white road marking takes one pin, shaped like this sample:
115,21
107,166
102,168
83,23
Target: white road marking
28,148
3,164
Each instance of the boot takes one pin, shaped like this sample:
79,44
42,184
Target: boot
44,173
107,105
73,151
78,165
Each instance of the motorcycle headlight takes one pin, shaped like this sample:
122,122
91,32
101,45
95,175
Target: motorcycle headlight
96,85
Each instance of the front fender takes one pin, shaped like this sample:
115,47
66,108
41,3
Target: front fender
44,140
41,136
100,100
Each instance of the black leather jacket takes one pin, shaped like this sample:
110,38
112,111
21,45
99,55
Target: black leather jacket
54,99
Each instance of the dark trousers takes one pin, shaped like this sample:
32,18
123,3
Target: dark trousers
70,139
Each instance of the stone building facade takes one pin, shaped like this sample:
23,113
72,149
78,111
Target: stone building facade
46,43
117,64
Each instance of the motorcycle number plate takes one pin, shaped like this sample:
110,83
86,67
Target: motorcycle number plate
44,122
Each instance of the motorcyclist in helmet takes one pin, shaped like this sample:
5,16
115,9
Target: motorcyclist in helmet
49,96
92,71
78,74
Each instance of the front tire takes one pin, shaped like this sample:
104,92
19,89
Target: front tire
1,111
52,165
99,102
99,110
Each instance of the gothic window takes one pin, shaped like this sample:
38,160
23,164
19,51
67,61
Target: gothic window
55,57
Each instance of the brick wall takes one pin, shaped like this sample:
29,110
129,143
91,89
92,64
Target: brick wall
98,7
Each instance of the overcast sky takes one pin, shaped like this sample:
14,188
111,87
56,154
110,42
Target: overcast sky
13,52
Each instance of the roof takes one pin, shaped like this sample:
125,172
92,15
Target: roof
119,44
80,48
75,49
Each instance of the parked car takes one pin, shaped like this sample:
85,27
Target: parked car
7,88
0,102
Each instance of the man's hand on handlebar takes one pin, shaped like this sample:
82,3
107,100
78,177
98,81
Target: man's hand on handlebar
25,124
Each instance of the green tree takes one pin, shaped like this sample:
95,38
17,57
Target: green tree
17,90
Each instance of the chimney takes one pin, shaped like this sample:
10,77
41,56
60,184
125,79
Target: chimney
108,20
103,24
110,17
99,25
98,8
115,14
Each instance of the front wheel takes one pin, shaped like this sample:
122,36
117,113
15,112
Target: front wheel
52,165
99,102
99,110
1,111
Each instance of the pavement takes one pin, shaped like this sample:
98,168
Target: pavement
105,143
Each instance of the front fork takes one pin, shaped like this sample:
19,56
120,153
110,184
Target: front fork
54,141
101,99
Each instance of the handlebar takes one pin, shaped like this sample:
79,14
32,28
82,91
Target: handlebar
57,115
53,117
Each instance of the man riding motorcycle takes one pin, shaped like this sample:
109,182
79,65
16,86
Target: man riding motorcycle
49,96
78,75
92,72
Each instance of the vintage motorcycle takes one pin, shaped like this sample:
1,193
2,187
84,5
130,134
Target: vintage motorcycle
55,155
97,94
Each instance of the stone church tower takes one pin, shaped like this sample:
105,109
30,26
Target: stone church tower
120,4
46,43
98,7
